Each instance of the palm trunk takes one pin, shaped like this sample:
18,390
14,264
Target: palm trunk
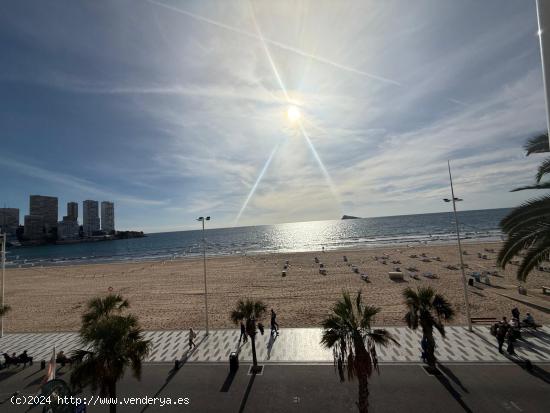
427,333
363,394
253,342
112,396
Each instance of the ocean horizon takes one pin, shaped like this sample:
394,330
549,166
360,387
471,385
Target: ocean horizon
277,238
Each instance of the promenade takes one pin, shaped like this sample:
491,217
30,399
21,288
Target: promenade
298,345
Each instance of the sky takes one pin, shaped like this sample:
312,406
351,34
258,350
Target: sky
177,109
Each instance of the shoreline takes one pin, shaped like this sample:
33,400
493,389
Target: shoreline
168,295
78,262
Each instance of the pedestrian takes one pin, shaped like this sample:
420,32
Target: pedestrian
261,328
502,330
192,336
243,336
510,340
274,324
515,313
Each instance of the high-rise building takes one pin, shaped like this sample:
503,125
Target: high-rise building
34,227
90,217
9,220
107,216
72,211
68,229
46,207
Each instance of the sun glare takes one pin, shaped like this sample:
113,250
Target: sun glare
293,113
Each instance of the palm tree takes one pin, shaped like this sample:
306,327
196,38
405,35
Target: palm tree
113,341
4,309
347,331
527,226
249,311
427,309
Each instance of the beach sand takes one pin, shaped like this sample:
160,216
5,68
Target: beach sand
169,295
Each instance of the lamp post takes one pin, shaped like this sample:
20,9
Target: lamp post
202,219
3,274
454,201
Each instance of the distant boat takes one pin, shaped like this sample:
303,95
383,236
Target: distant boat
350,217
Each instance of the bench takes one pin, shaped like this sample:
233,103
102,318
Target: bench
545,290
483,320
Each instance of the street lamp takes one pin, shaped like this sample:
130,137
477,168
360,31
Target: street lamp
454,200
3,274
202,219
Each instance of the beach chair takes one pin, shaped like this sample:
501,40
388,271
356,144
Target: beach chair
429,275
413,275
476,276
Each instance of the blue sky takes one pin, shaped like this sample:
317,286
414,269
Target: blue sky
172,108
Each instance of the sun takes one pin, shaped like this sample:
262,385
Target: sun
293,114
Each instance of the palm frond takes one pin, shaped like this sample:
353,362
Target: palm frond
443,308
544,185
537,144
538,253
544,168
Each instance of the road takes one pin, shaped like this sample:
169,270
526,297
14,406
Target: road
316,388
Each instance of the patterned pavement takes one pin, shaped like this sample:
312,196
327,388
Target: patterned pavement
297,345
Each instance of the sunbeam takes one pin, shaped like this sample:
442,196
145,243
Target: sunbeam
280,45
260,176
330,183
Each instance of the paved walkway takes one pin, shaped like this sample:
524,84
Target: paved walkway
297,345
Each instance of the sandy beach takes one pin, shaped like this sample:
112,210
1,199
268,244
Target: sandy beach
169,295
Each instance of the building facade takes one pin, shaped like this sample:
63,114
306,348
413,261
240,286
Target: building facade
34,227
90,217
9,220
107,216
72,211
68,229
46,207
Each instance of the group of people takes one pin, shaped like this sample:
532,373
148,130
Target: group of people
15,359
273,324
244,336
508,331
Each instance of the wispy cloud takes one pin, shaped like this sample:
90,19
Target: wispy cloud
69,181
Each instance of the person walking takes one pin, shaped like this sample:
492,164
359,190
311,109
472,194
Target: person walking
510,340
502,330
191,339
243,336
274,324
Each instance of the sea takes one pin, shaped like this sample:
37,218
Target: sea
280,238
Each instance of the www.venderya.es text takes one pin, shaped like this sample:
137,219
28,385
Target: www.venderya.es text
97,400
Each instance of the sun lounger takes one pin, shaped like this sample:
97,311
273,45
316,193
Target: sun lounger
413,256
429,275
413,269
451,267
426,260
